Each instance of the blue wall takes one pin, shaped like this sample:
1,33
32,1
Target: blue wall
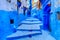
5,27
14,15
4,24
55,24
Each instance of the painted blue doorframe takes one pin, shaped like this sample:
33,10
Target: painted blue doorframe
46,16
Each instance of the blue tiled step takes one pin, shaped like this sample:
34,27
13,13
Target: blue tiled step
29,27
34,19
23,34
28,30
31,22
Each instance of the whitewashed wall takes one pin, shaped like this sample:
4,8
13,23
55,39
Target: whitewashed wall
24,3
4,5
55,4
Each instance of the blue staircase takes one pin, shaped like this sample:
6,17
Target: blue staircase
28,28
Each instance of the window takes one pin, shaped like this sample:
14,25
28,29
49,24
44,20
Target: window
11,21
58,15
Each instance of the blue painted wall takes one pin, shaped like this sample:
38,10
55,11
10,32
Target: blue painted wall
54,22
5,27
4,24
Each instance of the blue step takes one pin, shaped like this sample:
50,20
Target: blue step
33,27
22,34
31,22
31,19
